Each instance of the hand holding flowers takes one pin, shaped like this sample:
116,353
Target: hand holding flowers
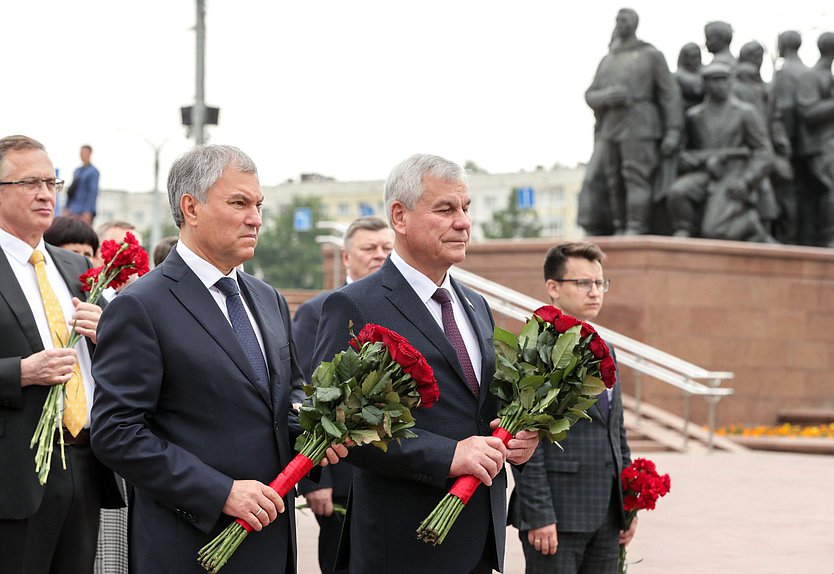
547,377
121,260
363,396
642,486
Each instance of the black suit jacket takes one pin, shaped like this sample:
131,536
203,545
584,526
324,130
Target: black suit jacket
179,415
305,324
394,491
573,487
20,408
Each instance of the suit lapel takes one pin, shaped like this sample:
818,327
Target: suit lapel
193,295
69,271
11,292
403,297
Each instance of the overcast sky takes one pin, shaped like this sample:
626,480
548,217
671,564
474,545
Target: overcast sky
345,89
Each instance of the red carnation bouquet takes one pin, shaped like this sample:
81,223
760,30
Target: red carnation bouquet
642,486
121,260
365,393
547,377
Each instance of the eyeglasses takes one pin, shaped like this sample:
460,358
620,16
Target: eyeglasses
587,284
32,185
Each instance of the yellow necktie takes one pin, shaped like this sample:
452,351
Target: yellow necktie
75,399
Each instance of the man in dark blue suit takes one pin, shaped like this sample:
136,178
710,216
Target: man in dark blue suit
367,243
195,368
51,528
568,504
427,203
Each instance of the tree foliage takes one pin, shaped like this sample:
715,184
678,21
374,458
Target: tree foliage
512,222
286,258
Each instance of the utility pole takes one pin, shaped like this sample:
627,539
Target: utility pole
198,113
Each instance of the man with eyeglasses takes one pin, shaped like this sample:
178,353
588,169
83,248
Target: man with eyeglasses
51,528
567,504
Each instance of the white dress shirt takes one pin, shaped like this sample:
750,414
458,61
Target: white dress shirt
208,274
18,253
425,288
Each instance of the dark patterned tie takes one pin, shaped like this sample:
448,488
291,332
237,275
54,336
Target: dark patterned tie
243,328
450,327
604,403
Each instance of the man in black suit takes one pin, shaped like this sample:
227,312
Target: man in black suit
568,504
195,367
51,528
367,243
427,203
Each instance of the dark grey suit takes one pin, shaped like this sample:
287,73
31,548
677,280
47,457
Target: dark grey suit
577,488
21,496
394,491
180,414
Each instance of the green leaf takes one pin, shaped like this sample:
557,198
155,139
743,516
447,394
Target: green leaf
504,336
364,436
531,382
526,398
328,394
583,404
529,334
332,428
502,389
370,382
372,415
563,349
349,364
559,426
592,386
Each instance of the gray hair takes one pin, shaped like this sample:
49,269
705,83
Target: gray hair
369,223
405,182
195,171
18,143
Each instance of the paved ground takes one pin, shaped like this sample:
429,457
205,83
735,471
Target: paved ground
744,513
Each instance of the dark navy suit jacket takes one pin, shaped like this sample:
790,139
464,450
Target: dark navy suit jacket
179,413
394,491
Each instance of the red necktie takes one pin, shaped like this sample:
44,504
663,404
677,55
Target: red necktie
450,327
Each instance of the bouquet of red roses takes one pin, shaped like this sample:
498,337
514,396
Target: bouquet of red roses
547,377
642,486
121,260
365,393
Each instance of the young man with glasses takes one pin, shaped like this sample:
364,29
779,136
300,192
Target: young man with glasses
567,504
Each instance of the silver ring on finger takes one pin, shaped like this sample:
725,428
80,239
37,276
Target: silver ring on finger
258,512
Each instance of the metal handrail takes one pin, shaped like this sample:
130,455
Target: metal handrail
642,358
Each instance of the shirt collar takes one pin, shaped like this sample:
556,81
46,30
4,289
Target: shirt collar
18,249
205,271
422,285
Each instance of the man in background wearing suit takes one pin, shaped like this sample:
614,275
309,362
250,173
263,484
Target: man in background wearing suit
195,371
568,504
51,528
367,243
427,202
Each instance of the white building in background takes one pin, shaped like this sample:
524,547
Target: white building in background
553,194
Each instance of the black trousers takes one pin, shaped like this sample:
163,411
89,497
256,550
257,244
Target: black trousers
330,530
61,537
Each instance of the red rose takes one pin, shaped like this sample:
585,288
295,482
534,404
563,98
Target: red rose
548,313
599,348
564,322
587,329
404,354
422,373
608,371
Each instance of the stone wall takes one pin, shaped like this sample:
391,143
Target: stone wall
764,312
